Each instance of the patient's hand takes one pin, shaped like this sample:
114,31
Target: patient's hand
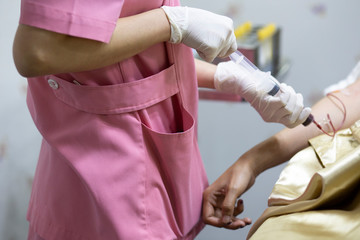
220,204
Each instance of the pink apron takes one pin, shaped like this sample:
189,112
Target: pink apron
119,160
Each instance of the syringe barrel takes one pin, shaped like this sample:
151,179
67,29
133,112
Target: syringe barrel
266,82
269,84
238,58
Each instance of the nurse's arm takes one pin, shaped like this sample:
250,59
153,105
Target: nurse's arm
39,52
205,73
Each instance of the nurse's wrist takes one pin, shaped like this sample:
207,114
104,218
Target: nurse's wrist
166,20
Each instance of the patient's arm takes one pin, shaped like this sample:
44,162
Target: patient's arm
290,141
267,154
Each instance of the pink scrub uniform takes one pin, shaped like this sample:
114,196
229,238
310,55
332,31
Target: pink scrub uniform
119,157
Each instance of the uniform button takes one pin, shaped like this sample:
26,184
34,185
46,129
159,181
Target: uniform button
53,84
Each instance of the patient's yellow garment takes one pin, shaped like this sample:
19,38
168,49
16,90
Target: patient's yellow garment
317,195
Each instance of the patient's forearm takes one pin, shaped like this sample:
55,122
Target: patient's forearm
283,145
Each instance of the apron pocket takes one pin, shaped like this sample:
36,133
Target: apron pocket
118,98
175,177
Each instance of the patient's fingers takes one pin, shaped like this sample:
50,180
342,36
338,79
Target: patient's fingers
239,208
238,223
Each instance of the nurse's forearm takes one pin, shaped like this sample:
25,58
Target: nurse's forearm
39,52
205,73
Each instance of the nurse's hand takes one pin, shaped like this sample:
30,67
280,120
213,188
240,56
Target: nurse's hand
210,34
220,200
285,107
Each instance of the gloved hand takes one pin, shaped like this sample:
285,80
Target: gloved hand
211,35
285,107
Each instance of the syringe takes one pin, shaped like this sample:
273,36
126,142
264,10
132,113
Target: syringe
267,82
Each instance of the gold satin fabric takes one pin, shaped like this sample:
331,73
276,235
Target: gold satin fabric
317,195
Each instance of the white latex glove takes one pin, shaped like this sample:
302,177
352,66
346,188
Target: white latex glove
285,107
211,35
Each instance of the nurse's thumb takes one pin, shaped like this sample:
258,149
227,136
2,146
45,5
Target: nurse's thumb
228,207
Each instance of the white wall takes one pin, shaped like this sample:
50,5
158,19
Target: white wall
320,40
318,37
19,140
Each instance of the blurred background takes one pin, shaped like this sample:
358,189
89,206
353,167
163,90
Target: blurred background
319,44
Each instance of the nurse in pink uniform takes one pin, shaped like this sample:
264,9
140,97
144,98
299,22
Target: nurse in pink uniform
112,88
